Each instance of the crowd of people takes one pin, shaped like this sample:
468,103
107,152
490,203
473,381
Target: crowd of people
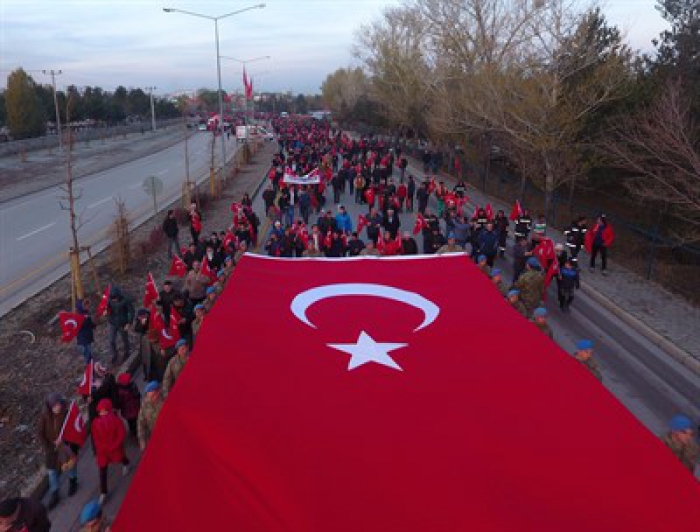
306,220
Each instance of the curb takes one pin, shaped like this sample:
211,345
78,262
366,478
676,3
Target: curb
663,343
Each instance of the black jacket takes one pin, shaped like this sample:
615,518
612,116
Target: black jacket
170,227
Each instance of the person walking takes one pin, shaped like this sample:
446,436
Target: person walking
129,399
59,456
514,300
501,223
680,439
86,334
171,230
488,243
20,514
531,285
575,237
175,366
148,415
120,314
598,240
195,218
584,354
108,435
539,319
569,282
92,518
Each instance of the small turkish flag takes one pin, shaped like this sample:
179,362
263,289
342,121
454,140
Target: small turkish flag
73,430
489,212
361,223
369,196
171,334
544,251
151,292
420,224
235,208
177,267
104,302
458,165
229,240
381,245
552,271
196,223
71,322
516,212
85,386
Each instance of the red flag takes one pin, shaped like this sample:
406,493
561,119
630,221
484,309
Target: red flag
196,223
247,85
458,166
552,271
235,208
324,428
516,212
177,267
171,334
229,240
544,251
381,245
206,270
150,293
85,386
369,196
104,302
71,322
73,430
328,240
489,212
361,223
420,224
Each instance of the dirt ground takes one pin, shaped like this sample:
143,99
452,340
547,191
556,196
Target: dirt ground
46,167
29,371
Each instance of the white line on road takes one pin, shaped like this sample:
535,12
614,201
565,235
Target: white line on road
135,186
97,203
35,231
162,172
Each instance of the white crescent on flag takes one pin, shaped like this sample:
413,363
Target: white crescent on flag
72,323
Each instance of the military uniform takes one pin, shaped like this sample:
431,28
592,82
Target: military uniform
373,252
531,286
593,367
544,327
147,418
502,288
688,453
518,305
312,253
172,372
449,249
485,268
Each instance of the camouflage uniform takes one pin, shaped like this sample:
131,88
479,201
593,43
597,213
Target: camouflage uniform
531,286
688,453
485,268
312,253
196,324
518,305
172,372
544,327
147,418
502,288
593,367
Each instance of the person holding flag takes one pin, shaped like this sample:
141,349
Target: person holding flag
120,315
86,334
59,456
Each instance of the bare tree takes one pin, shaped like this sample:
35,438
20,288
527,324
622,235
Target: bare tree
660,147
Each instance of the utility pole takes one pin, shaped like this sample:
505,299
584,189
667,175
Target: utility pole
53,74
153,108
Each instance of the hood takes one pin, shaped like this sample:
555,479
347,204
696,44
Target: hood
115,292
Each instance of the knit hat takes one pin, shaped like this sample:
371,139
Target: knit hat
152,386
679,422
584,345
481,258
533,263
105,405
124,379
180,343
91,511
495,272
513,292
199,306
540,312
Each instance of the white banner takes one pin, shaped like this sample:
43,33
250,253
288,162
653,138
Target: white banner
312,178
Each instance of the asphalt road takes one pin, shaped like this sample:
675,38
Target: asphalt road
35,231
651,384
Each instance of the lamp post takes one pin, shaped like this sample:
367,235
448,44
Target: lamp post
244,62
153,108
218,65
53,74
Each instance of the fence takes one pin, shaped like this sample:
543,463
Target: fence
88,134
645,250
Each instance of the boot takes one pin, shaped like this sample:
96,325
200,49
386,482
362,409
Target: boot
72,487
53,500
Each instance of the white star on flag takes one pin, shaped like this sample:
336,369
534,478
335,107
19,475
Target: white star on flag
367,350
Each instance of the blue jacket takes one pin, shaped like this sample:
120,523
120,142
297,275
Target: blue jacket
343,222
86,336
488,242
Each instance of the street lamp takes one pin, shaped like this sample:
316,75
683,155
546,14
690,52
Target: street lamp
153,108
53,74
244,62
218,64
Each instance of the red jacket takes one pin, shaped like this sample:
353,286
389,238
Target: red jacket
108,435
608,237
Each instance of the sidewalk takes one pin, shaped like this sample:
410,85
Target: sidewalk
65,517
622,292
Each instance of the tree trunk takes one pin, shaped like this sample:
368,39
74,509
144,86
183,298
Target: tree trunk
549,189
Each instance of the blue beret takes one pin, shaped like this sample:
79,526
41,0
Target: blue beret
91,511
584,345
514,292
180,343
533,263
152,386
680,422
481,258
199,306
495,272
211,290
540,312
221,272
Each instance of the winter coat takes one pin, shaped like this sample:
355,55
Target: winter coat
170,227
86,334
172,372
107,390
129,400
531,286
196,284
461,231
120,308
49,428
488,242
343,222
608,236
108,434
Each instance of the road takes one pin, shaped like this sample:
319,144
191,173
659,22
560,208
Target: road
35,231
651,384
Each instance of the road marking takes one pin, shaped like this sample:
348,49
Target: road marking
135,186
162,172
97,203
19,238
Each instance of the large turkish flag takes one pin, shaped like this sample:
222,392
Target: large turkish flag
393,395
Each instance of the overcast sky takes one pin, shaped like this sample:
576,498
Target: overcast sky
134,43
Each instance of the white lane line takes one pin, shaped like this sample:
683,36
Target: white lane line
135,186
97,203
32,233
162,172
